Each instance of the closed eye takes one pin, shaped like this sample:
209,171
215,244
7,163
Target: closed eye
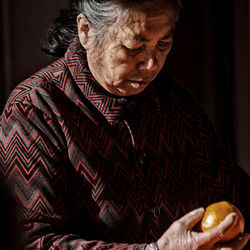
133,51
163,45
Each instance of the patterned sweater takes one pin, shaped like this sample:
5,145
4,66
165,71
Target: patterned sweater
94,170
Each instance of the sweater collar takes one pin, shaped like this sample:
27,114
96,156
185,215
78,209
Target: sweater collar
111,106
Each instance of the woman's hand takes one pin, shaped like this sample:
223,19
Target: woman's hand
180,234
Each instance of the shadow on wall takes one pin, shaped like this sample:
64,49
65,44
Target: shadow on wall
24,25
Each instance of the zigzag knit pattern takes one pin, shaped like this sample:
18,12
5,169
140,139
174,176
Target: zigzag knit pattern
93,170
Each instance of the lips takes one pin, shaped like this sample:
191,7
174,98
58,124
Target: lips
141,82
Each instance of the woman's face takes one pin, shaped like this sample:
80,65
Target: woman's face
126,64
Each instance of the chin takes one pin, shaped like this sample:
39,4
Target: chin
133,89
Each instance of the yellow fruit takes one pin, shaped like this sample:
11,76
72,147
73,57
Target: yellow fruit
216,213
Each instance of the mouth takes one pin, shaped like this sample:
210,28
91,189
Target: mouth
137,83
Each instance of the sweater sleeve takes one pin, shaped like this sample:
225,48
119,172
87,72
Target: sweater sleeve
33,159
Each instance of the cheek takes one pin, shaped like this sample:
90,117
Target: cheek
169,49
162,57
120,64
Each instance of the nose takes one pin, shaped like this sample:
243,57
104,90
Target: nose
149,63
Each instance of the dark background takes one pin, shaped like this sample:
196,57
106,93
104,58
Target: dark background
210,58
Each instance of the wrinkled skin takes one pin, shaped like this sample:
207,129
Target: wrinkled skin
180,235
127,61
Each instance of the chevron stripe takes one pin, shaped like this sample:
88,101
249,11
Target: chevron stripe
74,156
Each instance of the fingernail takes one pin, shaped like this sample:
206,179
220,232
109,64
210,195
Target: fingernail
200,210
197,211
234,216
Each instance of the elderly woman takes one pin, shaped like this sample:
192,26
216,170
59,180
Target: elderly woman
104,151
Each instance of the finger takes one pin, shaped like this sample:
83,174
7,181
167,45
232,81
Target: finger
238,243
216,234
192,218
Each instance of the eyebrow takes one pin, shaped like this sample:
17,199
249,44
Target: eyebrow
141,38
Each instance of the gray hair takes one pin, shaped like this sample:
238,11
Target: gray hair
104,14
101,15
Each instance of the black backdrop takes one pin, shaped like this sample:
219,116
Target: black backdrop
210,58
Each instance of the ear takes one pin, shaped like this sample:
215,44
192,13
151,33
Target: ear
83,30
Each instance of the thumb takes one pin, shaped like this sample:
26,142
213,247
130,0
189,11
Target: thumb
216,234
